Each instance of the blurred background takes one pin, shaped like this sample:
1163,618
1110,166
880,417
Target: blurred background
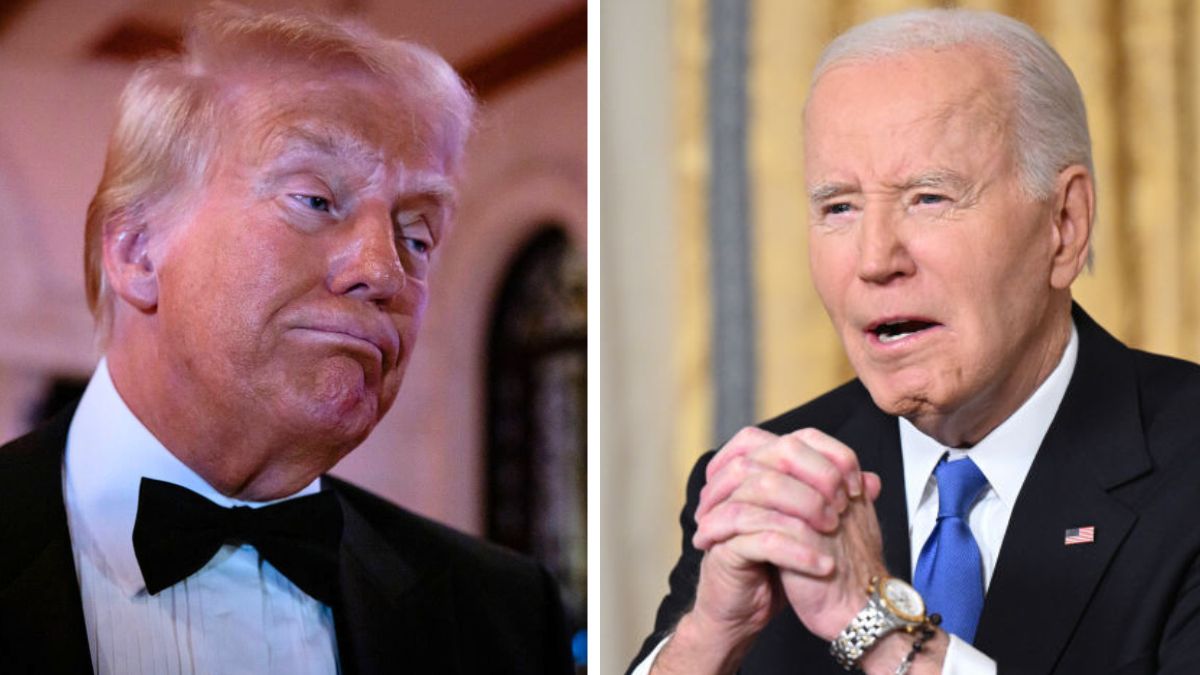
488,433
709,320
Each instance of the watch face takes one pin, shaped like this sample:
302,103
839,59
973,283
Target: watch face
903,600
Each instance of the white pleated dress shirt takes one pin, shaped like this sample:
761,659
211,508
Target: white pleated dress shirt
238,614
1004,456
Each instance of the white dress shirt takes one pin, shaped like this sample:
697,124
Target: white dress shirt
1004,456
238,614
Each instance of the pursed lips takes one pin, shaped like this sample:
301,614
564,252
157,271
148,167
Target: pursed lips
383,339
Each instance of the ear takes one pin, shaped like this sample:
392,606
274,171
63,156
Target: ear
1074,206
127,263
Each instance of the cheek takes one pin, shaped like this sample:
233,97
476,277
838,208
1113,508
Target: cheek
831,264
1004,280
411,305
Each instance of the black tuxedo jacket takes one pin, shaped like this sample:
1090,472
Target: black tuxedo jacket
1122,455
418,597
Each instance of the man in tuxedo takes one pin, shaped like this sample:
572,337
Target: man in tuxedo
1001,461
257,256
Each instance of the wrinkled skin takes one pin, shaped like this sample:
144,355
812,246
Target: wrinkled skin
269,318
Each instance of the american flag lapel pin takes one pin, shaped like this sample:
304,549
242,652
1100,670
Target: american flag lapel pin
1080,535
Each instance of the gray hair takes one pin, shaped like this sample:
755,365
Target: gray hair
1050,129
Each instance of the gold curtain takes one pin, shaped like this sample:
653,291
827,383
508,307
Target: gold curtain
1136,62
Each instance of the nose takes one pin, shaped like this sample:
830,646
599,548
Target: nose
882,253
366,265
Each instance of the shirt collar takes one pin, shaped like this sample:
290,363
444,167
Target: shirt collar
1005,455
108,452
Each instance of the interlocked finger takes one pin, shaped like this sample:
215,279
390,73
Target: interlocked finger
732,519
782,456
783,551
744,441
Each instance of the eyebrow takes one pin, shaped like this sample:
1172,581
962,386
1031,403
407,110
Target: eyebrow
431,187
823,191
938,178
437,190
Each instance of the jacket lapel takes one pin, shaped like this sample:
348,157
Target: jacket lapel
393,615
41,616
1041,586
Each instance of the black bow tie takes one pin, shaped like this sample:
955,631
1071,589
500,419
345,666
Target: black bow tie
177,532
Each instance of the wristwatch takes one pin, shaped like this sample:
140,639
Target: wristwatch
891,605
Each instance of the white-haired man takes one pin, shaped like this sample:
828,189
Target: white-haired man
1001,461
257,256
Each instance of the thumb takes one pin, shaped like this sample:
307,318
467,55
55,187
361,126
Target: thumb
872,485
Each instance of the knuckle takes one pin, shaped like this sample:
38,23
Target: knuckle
746,436
811,501
808,435
740,467
828,477
793,443
771,539
743,434
732,512
807,557
766,483
742,520
845,456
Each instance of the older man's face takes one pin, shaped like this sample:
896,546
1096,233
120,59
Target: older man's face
293,293
931,262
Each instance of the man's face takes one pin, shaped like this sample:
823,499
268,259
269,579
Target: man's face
931,262
291,294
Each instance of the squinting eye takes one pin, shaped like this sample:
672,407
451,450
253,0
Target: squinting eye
837,209
313,202
414,234
418,246
930,199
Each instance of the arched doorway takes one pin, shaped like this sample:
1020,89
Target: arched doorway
536,467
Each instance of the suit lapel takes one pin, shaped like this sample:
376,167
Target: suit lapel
1094,444
41,616
394,615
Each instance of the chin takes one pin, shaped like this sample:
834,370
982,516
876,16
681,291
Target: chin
898,395
336,415
337,426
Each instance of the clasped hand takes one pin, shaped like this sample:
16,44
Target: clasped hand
786,520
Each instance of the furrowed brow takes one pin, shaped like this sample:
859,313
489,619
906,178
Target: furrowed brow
288,141
823,191
436,189
940,179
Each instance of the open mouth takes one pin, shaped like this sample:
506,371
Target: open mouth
893,331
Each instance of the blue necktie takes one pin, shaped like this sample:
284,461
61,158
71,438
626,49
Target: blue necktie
949,571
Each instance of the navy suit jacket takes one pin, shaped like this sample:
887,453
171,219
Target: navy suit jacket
1122,455
417,597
